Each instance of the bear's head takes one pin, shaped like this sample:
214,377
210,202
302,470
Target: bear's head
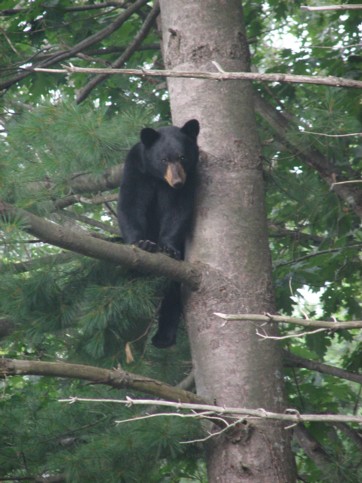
171,153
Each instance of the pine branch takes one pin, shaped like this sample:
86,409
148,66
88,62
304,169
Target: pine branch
116,378
217,76
128,256
36,263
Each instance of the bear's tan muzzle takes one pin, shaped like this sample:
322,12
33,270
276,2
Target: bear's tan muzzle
175,175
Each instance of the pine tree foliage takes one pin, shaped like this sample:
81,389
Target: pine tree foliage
66,307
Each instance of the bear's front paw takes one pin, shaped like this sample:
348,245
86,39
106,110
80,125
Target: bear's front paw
147,245
171,252
163,341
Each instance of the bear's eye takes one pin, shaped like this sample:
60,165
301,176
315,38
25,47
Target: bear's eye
181,158
164,161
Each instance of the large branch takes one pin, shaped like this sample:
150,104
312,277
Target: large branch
116,378
128,256
295,361
84,44
312,448
352,195
351,433
217,76
143,32
80,8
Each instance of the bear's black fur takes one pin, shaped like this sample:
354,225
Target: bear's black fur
156,202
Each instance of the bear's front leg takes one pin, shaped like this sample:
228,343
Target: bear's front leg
175,209
148,246
134,203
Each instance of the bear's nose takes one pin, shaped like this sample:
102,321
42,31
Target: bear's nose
177,184
175,175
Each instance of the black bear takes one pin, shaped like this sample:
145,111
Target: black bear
156,202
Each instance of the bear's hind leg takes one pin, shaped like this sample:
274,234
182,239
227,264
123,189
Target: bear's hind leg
169,317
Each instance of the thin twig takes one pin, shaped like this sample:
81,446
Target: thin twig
351,181
196,415
332,135
290,336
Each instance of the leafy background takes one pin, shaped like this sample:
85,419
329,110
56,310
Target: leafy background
69,308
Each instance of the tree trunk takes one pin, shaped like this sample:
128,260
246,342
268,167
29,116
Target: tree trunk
232,365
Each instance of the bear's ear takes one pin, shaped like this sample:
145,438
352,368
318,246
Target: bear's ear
149,136
191,128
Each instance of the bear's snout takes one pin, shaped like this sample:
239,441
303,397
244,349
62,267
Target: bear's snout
175,175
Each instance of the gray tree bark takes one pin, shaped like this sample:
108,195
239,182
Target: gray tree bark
232,365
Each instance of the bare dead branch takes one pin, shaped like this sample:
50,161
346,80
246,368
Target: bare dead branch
359,134
355,324
217,76
291,415
332,7
351,181
289,336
